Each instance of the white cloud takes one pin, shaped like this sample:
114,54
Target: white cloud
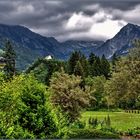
106,29
78,21
100,25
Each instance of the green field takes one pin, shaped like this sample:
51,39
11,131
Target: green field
119,120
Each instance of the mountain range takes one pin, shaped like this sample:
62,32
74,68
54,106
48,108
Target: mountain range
29,45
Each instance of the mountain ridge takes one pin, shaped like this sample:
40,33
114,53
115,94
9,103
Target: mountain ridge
30,45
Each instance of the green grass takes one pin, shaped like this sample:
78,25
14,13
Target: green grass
119,120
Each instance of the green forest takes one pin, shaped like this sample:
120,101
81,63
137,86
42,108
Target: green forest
82,97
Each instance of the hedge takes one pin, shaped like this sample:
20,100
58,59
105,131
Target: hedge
91,133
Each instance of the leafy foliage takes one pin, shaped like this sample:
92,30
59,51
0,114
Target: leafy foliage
123,88
25,110
92,122
92,134
96,85
67,93
43,69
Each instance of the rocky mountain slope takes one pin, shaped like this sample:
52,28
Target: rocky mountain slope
121,42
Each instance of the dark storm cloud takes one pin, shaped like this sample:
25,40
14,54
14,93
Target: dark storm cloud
54,17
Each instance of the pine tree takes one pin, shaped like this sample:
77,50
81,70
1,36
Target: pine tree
9,55
92,58
78,70
85,65
91,61
114,60
75,56
105,67
94,65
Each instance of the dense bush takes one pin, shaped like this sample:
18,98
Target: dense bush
93,122
25,110
133,132
68,94
91,133
78,125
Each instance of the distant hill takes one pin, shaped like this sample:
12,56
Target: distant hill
29,45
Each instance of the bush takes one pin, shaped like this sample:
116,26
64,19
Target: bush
93,122
26,112
133,132
108,121
91,133
110,129
78,125
68,95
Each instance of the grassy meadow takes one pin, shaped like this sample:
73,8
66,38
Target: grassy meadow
119,120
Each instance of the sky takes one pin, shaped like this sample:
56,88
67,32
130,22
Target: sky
71,19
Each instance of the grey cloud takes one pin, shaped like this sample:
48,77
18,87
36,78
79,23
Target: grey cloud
48,16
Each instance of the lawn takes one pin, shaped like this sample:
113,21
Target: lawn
119,120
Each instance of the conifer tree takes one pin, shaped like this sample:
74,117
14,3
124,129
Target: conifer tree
92,64
85,65
78,70
105,67
114,60
75,56
98,68
9,55
92,58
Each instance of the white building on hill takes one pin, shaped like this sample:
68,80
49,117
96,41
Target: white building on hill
49,57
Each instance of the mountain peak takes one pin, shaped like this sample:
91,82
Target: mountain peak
121,42
128,30
131,26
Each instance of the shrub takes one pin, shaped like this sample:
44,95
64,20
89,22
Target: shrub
26,112
91,133
78,125
108,121
133,132
92,122
68,94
